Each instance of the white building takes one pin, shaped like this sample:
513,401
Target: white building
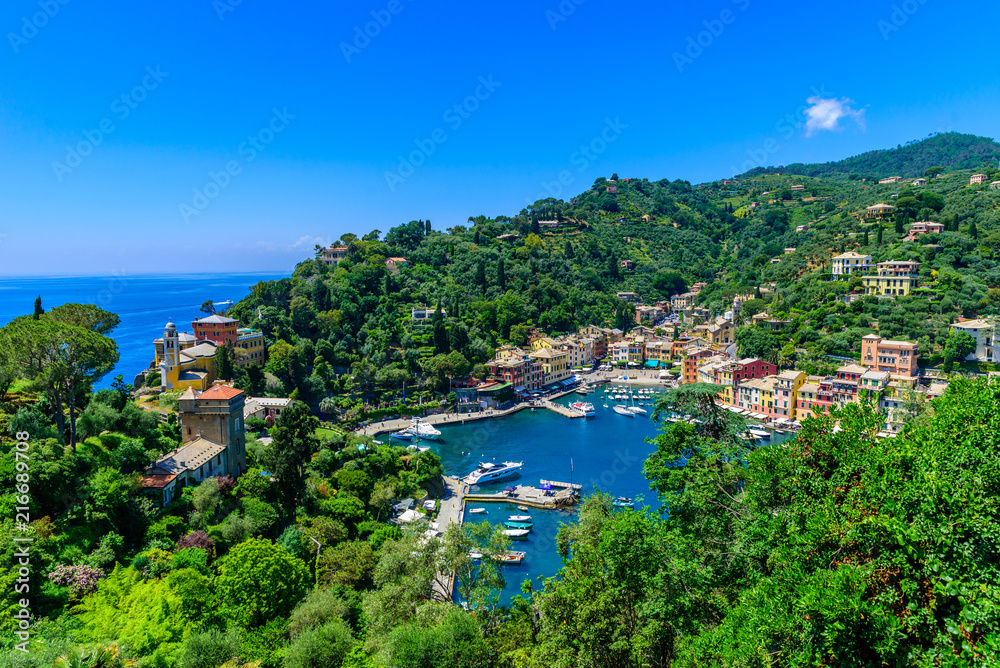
987,346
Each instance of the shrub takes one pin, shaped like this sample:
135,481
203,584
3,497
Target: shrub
318,608
323,647
80,579
210,649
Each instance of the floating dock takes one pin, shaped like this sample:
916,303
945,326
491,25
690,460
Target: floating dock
563,485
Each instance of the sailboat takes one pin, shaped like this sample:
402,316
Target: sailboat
632,408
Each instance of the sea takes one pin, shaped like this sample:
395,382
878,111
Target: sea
604,453
143,302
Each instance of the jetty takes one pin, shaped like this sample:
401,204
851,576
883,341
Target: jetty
562,410
563,485
529,496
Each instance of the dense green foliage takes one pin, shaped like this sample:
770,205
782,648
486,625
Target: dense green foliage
949,149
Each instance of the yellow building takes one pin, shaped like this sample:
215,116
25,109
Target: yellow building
250,347
543,342
894,278
786,390
184,340
555,364
190,368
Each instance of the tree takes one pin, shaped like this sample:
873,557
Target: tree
439,330
756,342
501,276
959,345
65,351
864,240
279,583
973,230
670,283
878,239
38,307
224,366
348,564
292,450
932,172
322,647
481,275
208,307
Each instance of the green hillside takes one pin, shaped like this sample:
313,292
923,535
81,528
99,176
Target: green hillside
950,150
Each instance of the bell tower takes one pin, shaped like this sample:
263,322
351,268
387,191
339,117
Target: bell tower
171,354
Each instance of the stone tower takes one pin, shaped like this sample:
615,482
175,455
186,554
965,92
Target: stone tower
171,354
215,415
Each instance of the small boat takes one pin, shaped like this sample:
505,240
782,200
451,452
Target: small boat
510,557
605,405
516,533
524,508
623,502
583,390
760,433
477,511
475,555
402,436
623,410
519,518
519,525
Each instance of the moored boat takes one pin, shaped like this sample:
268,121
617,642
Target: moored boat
477,511
511,557
519,525
583,408
402,436
519,518
423,430
623,410
623,502
490,472
516,533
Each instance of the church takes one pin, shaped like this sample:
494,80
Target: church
185,361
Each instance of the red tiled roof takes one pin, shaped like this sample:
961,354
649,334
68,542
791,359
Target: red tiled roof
157,480
220,392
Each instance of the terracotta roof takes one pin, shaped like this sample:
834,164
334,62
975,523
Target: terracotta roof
157,480
220,392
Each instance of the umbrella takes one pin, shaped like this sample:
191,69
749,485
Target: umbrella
545,486
510,489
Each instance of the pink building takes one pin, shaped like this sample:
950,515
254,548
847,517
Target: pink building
894,357
925,227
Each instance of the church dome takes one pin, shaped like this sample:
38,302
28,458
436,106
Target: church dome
171,327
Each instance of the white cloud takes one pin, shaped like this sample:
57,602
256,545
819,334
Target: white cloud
309,242
825,114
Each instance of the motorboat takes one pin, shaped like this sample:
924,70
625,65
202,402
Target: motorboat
477,511
583,390
519,518
637,411
516,533
760,433
511,557
524,508
623,410
490,472
623,502
423,430
518,525
583,408
402,436
475,555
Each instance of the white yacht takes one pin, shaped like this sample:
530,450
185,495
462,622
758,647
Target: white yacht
623,410
489,472
423,430
582,407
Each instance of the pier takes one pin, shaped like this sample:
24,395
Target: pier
562,410
529,496
564,485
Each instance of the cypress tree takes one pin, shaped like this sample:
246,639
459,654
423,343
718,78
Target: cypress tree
481,275
973,230
501,276
439,331
879,239
865,239
38,307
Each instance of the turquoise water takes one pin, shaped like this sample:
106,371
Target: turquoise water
607,453
144,304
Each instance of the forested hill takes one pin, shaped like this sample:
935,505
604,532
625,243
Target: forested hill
950,150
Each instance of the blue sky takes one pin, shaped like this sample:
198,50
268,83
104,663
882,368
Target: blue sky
234,136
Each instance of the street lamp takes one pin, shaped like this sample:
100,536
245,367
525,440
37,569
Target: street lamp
318,546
